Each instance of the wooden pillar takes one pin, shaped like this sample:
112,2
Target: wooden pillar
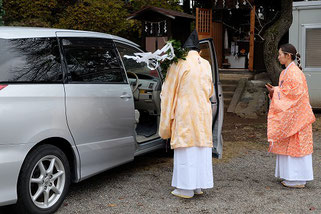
217,35
169,25
197,19
252,30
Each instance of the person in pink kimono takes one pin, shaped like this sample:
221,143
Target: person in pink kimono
186,118
290,121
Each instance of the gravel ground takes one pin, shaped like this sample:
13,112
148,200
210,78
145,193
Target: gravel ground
244,181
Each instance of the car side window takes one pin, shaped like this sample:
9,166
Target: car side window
92,60
32,60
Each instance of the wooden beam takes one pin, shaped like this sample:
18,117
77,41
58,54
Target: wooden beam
217,35
252,30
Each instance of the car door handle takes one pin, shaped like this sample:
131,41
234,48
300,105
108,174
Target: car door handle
125,96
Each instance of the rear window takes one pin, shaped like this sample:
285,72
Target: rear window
32,60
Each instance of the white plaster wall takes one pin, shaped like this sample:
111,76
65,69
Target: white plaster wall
307,13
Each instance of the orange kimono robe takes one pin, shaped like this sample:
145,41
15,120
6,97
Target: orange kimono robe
290,115
186,113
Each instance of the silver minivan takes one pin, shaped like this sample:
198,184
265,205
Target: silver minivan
71,106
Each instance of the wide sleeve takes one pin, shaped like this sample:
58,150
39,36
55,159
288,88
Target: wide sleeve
168,100
288,94
285,108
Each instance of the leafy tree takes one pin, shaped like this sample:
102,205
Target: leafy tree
40,13
135,5
108,16
96,15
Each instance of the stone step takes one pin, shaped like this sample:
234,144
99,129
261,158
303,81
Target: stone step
227,102
229,79
234,70
228,94
227,99
232,74
229,82
229,87
235,77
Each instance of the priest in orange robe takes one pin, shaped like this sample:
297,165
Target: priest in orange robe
186,118
290,119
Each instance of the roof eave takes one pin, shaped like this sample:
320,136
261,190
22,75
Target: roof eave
154,9
137,15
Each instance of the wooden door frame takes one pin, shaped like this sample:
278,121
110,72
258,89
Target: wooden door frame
251,48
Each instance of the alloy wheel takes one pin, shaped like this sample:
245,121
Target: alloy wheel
47,181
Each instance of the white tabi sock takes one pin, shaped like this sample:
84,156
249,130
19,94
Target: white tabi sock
294,183
198,191
183,192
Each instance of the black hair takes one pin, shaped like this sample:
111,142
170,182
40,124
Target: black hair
290,49
192,49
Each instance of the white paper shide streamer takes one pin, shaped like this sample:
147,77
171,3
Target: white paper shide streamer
153,59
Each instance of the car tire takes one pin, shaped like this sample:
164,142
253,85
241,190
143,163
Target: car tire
43,181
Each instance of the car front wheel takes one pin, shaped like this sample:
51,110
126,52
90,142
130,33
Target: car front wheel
44,180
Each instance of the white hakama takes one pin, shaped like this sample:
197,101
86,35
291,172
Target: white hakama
294,168
193,168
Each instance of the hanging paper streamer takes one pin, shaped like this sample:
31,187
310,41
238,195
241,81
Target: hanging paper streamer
153,59
237,4
155,28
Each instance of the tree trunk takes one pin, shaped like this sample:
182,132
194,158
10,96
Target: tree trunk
186,6
272,38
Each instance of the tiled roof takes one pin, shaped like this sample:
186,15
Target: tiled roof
166,12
